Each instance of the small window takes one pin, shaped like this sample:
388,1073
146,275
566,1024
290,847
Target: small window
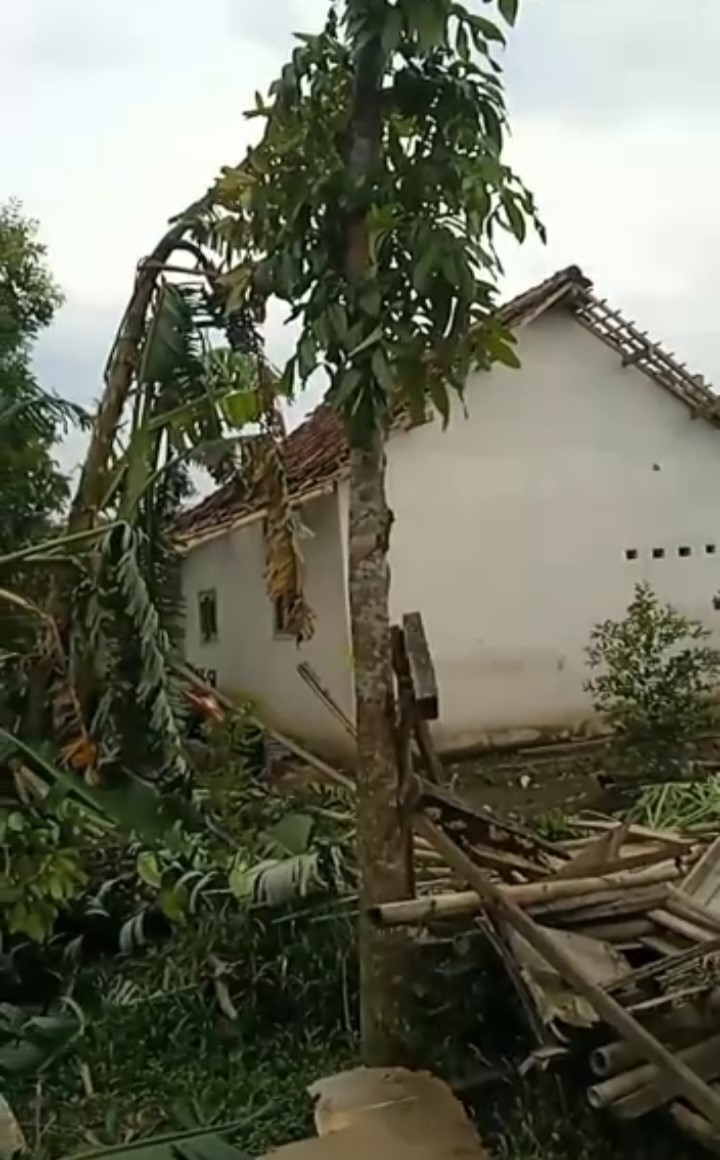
207,609
685,551
710,549
281,616
631,553
658,553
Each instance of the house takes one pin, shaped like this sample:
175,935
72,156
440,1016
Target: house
593,467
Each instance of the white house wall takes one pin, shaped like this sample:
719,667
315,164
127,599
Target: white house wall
247,656
512,526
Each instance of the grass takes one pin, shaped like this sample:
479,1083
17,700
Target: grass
158,1053
679,804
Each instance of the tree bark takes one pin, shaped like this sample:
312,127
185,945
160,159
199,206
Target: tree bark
383,981
383,873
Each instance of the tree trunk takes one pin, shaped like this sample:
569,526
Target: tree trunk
381,853
122,366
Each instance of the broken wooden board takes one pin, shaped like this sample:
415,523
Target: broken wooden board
422,669
485,828
386,1114
556,1002
702,884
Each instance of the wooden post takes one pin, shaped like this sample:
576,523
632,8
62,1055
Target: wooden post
404,749
677,1076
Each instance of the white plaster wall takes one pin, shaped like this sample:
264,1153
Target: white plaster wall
511,526
247,655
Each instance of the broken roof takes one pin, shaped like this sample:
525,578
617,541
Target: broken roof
316,451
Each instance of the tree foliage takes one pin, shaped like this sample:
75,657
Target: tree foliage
373,205
437,198
655,676
32,489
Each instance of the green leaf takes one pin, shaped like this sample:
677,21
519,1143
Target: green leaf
369,340
129,803
501,351
291,835
346,386
428,19
462,43
338,322
240,408
370,300
516,219
148,869
392,30
424,266
509,10
485,27
382,372
307,355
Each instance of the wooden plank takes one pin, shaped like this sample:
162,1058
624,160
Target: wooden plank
403,733
428,760
422,669
484,827
677,1077
641,975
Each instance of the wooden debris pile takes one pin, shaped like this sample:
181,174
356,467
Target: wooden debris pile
611,938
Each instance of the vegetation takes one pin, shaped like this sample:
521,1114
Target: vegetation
33,490
656,685
177,937
655,679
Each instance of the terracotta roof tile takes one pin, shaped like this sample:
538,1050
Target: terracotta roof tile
316,451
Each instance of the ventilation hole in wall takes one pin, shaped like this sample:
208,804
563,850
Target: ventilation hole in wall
685,551
631,553
658,553
710,549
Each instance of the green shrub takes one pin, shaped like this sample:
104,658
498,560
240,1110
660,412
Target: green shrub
655,676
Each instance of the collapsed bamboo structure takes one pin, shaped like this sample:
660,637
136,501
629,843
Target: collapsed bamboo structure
625,918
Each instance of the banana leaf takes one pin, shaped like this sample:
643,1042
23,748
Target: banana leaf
129,803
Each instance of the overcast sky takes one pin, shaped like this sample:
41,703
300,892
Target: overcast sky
119,112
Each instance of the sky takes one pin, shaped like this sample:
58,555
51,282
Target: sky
118,113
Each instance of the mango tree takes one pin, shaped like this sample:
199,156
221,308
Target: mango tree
372,205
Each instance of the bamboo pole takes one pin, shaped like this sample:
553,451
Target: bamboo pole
686,1024
628,931
686,928
634,978
679,1077
602,906
685,907
418,910
703,1058
617,1088
697,1128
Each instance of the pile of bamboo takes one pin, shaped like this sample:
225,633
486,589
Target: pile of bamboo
611,938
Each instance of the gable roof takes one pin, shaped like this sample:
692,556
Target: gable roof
316,451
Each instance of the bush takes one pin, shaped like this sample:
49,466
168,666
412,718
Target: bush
655,677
